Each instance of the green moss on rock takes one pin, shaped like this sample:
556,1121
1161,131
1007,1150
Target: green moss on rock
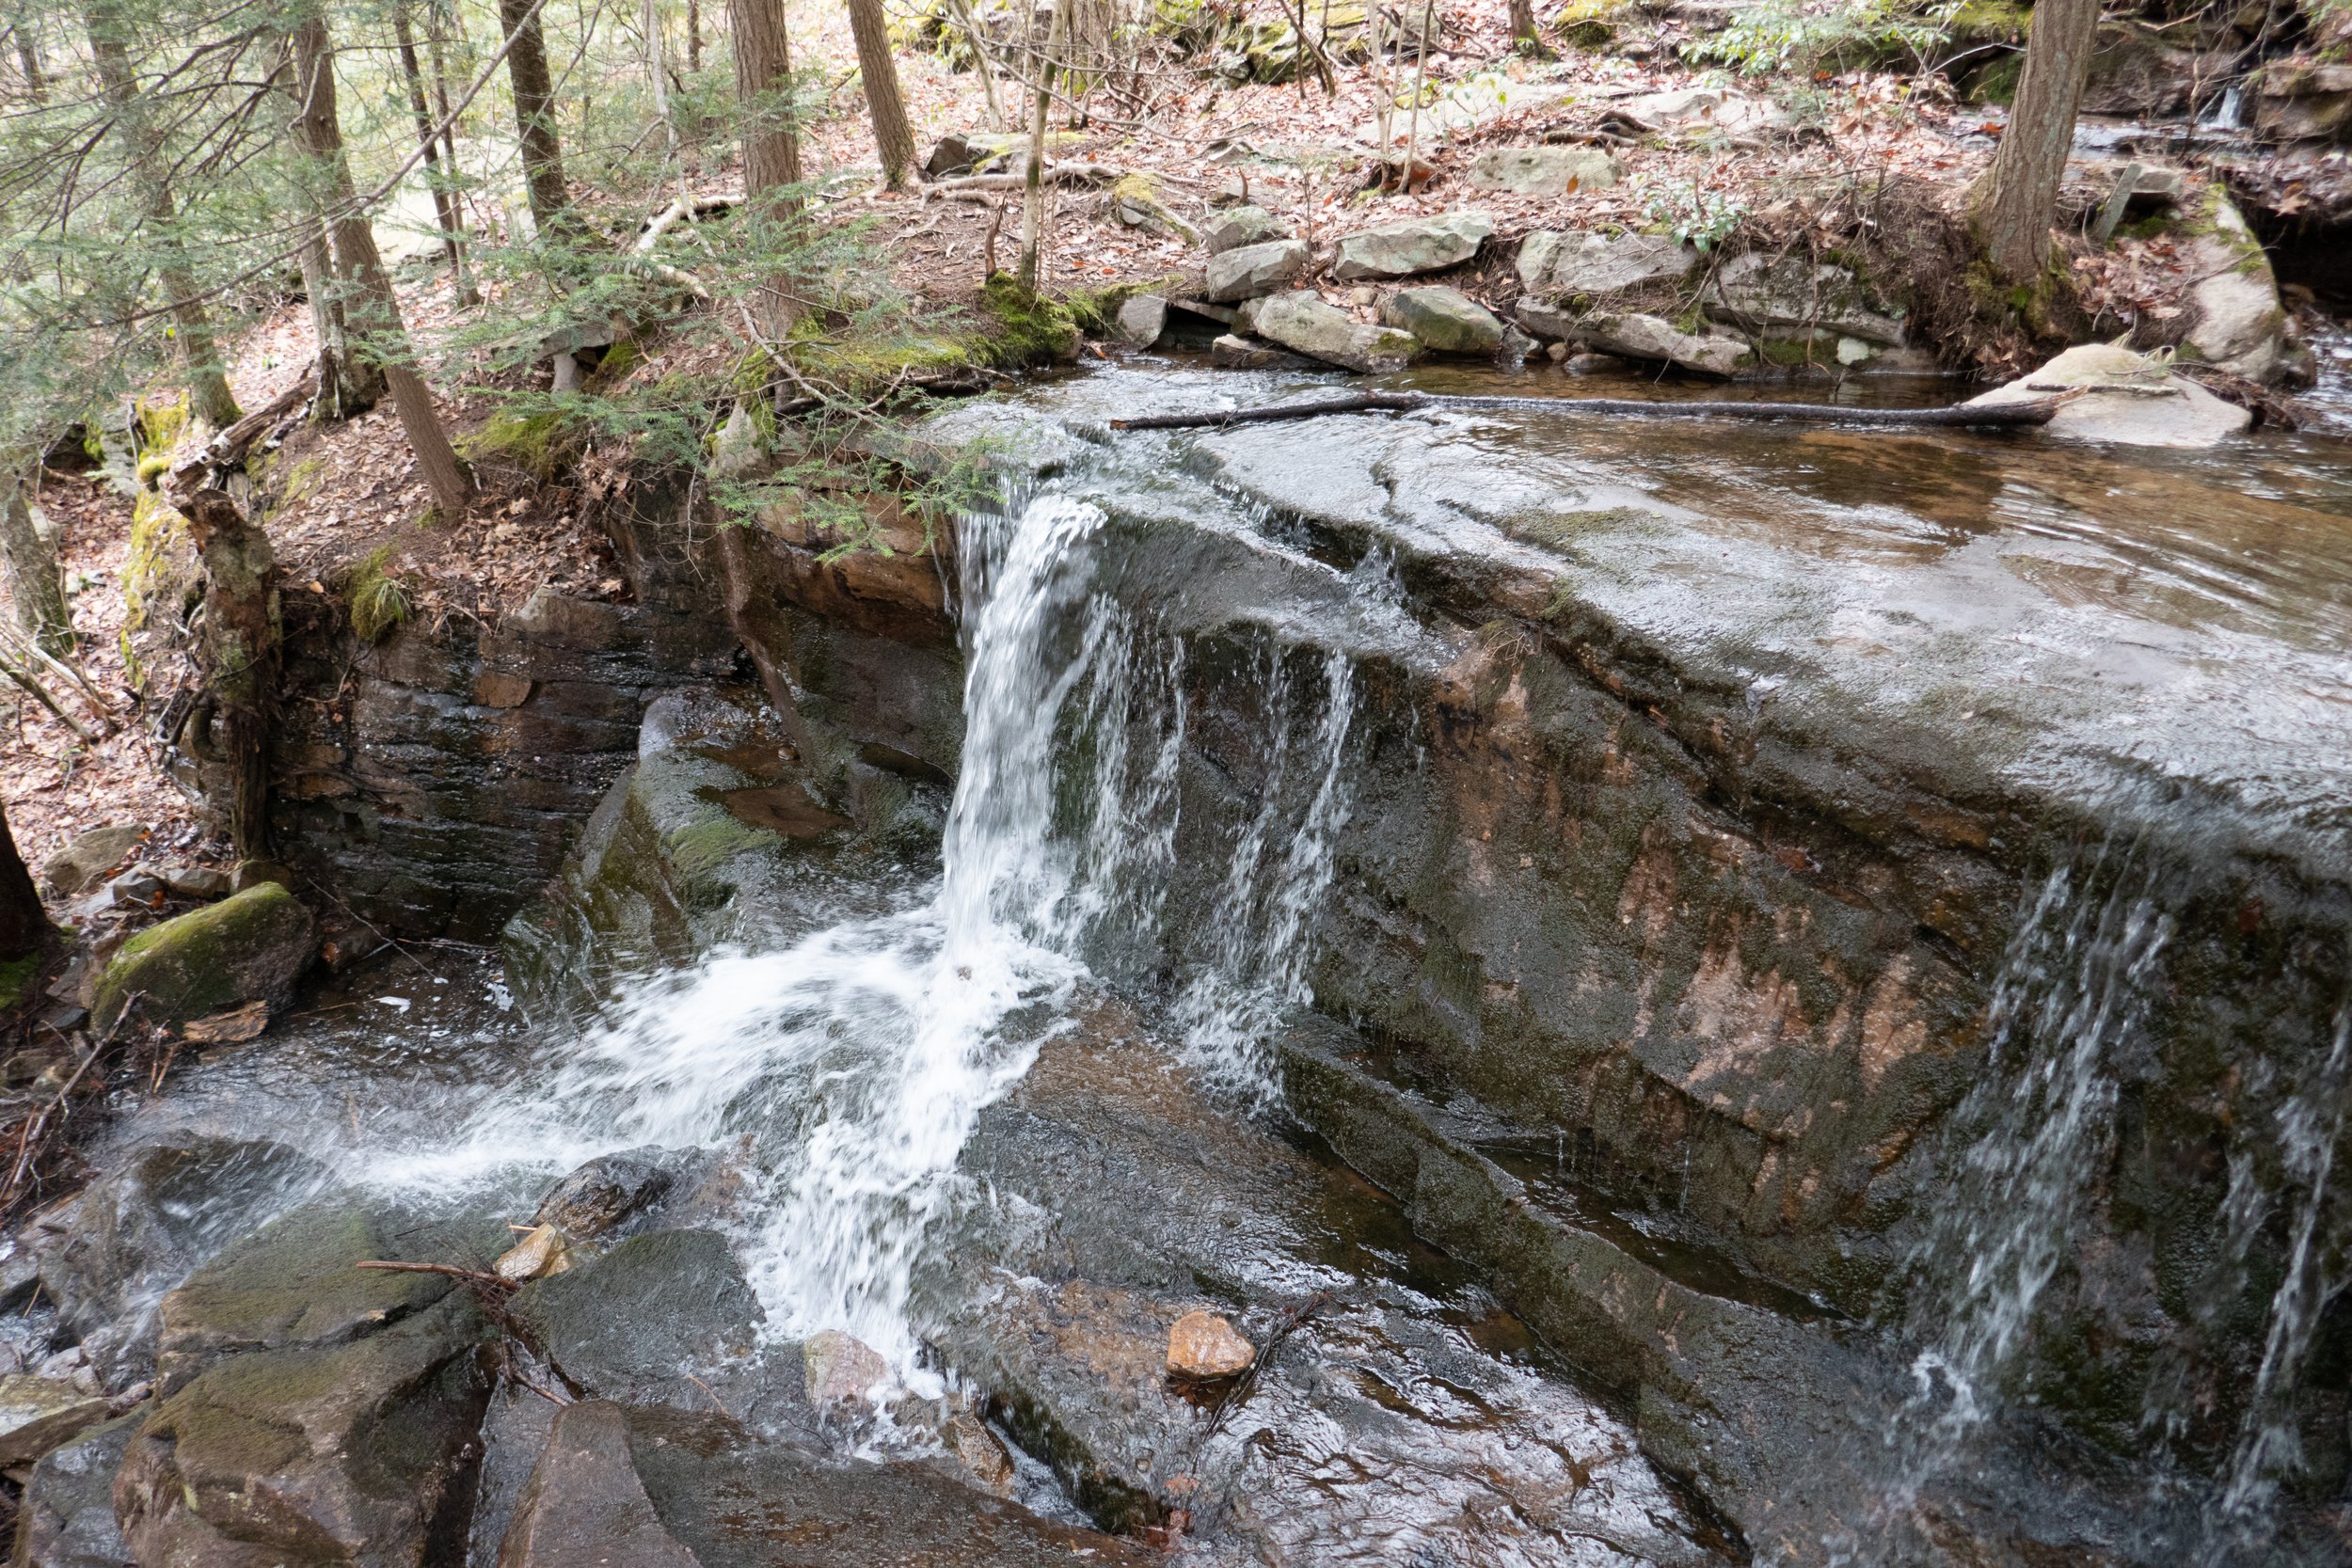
377,602
159,563
538,444
250,947
1030,328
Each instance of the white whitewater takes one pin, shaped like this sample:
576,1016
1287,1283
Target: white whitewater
847,1070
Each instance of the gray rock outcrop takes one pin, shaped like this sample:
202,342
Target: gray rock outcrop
1444,320
1248,271
1763,293
1305,323
2133,400
1543,170
1550,262
1141,319
1237,227
1413,245
1640,336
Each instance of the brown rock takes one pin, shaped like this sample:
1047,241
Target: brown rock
585,1505
542,1252
841,1369
1203,1346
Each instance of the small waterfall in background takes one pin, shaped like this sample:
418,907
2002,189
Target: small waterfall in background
849,1068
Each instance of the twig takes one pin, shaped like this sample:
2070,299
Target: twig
1285,1326
469,1277
40,694
28,1145
2037,412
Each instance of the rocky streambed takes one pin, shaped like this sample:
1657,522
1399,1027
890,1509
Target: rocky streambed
1695,997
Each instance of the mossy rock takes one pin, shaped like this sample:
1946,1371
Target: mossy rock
1030,328
1589,24
250,947
375,599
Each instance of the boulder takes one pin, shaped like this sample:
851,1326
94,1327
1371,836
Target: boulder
1549,322
1232,352
662,1319
67,1518
37,1413
2136,71
1560,264
1761,292
1641,337
841,1369
1136,202
2134,401
1445,320
1203,1346
1684,108
2241,324
196,881
359,1453
1304,323
90,857
612,1189
1141,319
2304,99
290,1286
251,946
1543,170
1237,227
1255,269
1413,245
138,1231
584,1504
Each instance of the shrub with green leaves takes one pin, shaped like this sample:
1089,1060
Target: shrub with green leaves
1802,37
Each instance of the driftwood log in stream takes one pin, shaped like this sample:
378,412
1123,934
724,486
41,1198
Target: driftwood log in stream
1971,414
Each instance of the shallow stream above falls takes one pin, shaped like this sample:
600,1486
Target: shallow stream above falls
1717,993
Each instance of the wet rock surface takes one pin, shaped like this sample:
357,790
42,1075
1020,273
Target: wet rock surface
67,1517
250,947
1399,1412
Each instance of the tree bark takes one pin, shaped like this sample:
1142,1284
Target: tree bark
24,928
763,76
658,72
534,116
1033,178
109,40
29,559
2016,203
444,199
240,650
1523,22
880,74
347,385
373,310
693,37
28,55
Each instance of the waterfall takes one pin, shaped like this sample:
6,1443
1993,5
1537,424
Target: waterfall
2038,1131
846,1071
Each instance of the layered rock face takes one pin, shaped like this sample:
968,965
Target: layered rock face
1712,888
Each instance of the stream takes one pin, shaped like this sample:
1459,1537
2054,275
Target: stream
1000,1109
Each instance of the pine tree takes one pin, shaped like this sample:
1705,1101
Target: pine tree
377,333
535,114
879,72
109,41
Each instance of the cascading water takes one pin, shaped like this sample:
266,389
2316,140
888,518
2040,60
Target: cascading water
848,1066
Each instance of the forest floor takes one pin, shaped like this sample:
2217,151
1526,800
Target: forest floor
1844,156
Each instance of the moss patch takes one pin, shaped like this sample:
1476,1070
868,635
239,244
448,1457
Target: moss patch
15,978
1030,328
376,600
159,563
539,445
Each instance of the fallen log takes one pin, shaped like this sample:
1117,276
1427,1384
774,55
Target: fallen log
1962,415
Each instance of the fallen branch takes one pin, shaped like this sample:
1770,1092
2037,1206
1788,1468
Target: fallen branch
470,1276
1062,174
1965,415
40,694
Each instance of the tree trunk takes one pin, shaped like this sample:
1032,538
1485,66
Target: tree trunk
347,385
444,199
693,37
28,56
2017,200
23,929
1523,23
373,310
240,651
208,388
880,74
771,138
28,560
534,116
763,85
658,72
1033,179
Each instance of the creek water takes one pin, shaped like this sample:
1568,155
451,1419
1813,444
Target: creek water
1969,578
